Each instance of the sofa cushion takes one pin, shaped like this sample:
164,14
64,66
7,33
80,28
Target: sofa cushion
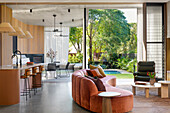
92,67
94,73
99,68
98,83
101,71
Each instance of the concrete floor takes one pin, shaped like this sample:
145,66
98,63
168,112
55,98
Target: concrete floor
55,97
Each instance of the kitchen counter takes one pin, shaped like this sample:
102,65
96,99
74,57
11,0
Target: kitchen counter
10,82
23,67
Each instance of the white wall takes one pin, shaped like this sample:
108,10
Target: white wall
57,43
141,54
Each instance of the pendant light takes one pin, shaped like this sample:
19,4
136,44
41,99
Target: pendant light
5,27
27,35
18,32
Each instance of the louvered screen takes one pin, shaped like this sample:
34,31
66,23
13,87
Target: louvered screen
155,38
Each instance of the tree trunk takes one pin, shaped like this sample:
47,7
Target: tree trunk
90,42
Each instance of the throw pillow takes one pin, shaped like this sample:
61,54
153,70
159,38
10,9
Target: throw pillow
89,73
95,72
92,67
101,71
98,83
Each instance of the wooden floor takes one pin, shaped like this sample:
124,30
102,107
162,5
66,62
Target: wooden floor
55,97
153,104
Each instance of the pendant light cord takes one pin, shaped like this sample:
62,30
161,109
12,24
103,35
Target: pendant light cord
54,23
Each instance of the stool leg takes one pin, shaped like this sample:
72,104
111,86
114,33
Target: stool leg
26,87
29,88
34,85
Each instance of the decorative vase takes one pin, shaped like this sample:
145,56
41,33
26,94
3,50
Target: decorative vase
152,81
51,60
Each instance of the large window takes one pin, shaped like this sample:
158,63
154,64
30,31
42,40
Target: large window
155,37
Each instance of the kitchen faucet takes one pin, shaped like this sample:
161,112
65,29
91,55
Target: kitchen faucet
14,55
16,52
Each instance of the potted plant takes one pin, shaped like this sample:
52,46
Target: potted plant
152,77
51,54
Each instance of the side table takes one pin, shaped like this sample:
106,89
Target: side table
165,89
106,102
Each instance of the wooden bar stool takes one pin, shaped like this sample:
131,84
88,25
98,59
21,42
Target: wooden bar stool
41,69
27,90
39,76
35,70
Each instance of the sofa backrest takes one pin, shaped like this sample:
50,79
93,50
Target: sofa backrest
81,72
87,89
82,88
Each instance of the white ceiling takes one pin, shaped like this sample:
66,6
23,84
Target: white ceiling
39,12
44,11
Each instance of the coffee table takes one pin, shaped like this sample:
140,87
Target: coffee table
147,87
106,102
165,89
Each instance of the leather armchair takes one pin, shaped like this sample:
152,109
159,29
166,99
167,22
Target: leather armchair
142,68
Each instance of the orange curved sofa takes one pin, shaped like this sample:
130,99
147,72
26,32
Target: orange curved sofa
85,93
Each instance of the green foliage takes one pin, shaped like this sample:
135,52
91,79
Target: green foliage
122,63
131,64
76,34
75,58
127,64
132,43
108,30
108,35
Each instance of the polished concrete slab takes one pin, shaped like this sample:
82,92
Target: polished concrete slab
55,97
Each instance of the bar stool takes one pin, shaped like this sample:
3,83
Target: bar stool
34,74
41,70
27,89
38,77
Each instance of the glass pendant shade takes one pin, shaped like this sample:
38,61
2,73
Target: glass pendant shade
18,32
6,27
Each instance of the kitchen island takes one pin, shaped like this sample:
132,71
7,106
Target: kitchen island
10,82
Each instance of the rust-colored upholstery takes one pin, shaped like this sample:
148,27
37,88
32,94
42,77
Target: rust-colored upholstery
85,93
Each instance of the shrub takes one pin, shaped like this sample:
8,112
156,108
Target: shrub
77,58
122,62
131,64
